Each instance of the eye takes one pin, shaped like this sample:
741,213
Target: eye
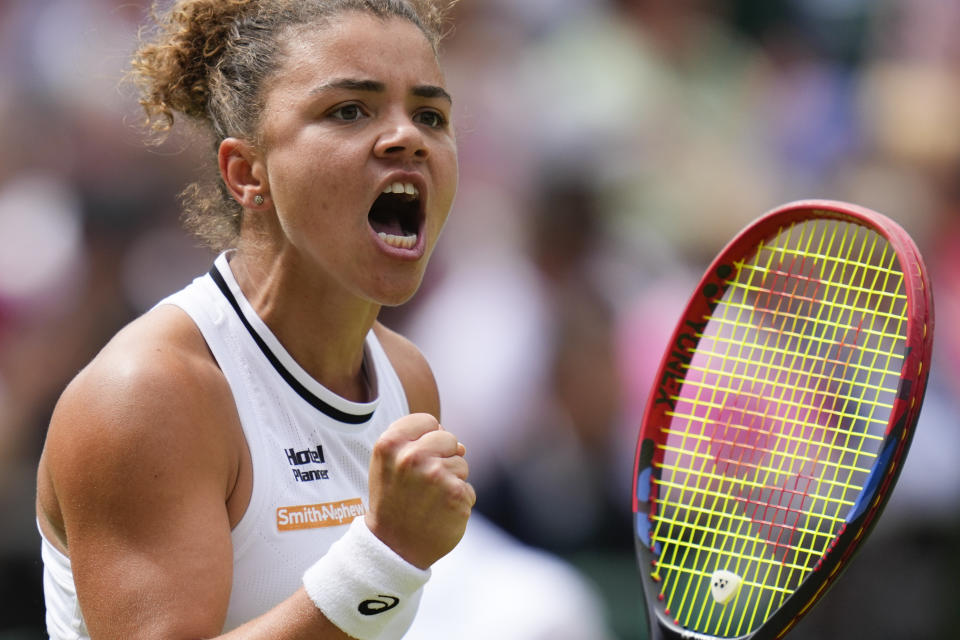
348,112
431,118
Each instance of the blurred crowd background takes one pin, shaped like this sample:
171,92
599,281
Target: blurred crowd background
608,149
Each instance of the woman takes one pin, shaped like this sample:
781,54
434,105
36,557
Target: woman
256,456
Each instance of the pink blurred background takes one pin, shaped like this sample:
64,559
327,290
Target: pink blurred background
608,150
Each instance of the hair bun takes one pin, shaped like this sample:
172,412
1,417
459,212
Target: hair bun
172,67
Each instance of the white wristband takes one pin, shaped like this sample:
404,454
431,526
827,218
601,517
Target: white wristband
362,585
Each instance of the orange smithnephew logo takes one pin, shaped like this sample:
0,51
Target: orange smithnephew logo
315,516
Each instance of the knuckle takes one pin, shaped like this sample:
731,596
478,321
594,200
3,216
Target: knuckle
435,473
422,421
463,499
408,460
428,420
449,440
384,448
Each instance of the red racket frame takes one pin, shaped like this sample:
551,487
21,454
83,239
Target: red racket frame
903,418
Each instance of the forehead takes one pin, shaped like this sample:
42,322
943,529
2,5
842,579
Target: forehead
360,45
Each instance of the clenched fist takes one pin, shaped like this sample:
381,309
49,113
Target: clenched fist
420,499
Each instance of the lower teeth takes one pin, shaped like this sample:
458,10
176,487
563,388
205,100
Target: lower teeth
401,242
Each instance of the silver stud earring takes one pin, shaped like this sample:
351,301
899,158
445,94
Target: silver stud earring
258,199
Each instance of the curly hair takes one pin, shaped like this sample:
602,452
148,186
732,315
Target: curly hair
208,60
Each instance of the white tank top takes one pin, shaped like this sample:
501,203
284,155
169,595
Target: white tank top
310,450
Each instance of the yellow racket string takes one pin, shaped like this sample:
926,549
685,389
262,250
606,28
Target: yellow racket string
779,417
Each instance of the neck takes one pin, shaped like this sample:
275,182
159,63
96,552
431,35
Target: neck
322,327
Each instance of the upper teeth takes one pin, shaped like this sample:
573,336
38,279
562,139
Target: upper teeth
402,187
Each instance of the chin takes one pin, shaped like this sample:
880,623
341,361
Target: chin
395,294
398,300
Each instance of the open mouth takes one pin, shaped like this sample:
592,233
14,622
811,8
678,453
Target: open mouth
396,215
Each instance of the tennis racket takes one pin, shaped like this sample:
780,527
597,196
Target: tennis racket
779,419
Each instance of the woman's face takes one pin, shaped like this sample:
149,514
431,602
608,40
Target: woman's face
358,154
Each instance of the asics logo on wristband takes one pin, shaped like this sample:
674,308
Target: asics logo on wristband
373,607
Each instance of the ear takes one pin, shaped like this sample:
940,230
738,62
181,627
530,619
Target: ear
243,172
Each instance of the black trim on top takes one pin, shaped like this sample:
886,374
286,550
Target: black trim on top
296,385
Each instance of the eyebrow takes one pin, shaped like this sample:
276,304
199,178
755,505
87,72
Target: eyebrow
374,86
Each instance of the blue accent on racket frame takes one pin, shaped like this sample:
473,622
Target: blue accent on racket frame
870,489
643,529
643,485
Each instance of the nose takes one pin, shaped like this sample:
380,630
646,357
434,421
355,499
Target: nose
401,138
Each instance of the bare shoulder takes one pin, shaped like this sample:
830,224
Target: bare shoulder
139,417
413,369
141,457
156,368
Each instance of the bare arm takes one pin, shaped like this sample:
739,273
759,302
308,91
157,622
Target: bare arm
137,468
136,477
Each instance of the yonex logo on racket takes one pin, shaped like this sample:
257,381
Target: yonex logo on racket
676,365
